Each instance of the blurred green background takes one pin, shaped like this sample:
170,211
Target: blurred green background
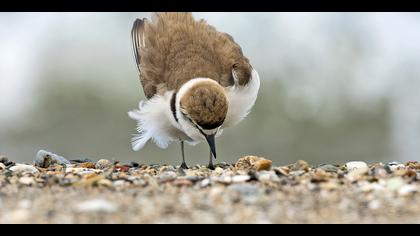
335,87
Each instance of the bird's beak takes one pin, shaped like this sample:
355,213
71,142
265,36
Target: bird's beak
212,144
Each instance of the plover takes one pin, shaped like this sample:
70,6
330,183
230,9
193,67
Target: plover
196,80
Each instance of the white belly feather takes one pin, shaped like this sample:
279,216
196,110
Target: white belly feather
155,120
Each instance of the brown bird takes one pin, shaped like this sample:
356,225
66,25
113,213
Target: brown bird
196,80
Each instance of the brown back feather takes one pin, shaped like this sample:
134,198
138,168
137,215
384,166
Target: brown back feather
178,48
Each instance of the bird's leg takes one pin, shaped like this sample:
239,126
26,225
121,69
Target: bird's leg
183,165
211,166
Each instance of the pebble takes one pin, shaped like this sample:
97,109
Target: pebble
135,164
4,159
180,172
22,168
103,164
244,189
167,168
394,166
328,168
104,182
354,165
78,161
218,171
88,165
240,178
119,183
26,180
2,166
394,184
301,165
96,205
357,173
253,163
121,168
407,190
282,171
44,159
413,165
167,175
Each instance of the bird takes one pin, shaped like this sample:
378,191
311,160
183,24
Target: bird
196,81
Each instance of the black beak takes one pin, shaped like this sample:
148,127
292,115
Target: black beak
212,144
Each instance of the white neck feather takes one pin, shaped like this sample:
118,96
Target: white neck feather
241,100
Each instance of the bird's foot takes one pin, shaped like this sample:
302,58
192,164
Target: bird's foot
183,166
210,166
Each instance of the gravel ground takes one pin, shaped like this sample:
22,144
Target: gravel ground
56,190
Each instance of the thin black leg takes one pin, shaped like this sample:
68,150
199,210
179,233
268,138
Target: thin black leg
211,166
183,165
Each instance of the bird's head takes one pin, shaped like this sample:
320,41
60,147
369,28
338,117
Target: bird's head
201,108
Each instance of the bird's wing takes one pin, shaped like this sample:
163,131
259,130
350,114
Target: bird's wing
137,37
236,66
148,59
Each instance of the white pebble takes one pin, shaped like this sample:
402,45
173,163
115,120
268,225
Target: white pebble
240,178
96,205
21,168
407,190
354,165
27,181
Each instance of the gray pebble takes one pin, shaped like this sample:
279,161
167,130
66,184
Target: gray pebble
44,159
328,168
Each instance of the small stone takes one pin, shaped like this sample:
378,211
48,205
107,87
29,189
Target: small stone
166,168
394,166
103,164
4,159
244,189
320,176
240,178
104,182
96,205
27,181
253,163
222,165
10,164
374,205
407,190
167,176
262,164
182,182
394,184
205,183
330,185
223,179
22,168
89,165
2,166
267,176
405,172
357,173
282,171
181,172
413,165
44,159
300,165
121,168
379,172
328,168
218,171
354,165
120,183
134,164
78,161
